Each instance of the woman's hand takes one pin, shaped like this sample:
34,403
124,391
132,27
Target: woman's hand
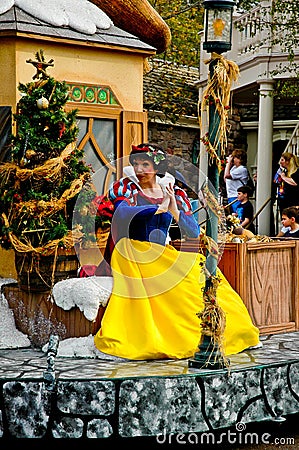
169,202
229,163
229,160
164,206
173,207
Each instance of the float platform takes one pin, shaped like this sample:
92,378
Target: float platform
43,396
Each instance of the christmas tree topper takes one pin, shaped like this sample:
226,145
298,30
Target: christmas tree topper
41,65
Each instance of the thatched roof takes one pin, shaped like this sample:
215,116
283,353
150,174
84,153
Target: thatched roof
139,18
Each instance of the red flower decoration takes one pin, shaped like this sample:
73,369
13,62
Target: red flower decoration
104,209
17,197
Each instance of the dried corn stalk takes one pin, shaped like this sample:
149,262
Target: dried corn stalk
217,94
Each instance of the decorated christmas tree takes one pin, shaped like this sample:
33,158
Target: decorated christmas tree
46,172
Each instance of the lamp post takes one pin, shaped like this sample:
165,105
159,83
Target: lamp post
217,39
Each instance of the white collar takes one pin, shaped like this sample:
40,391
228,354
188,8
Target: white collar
163,181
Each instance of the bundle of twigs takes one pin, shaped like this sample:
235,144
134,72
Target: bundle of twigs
213,320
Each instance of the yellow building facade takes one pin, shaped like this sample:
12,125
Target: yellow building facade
104,72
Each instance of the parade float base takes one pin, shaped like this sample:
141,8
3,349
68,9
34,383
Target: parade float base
265,275
47,397
159,400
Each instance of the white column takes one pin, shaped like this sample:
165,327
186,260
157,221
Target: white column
264,155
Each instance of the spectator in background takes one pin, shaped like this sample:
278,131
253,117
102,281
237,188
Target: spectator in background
284,229
290,221
245,208
235,176
287,181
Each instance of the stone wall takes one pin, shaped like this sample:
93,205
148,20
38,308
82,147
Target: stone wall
181,142
157,407
177,138
182,139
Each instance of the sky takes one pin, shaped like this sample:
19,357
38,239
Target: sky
80,15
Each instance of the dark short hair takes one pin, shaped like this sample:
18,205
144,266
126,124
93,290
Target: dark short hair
142,151
245,190
291,211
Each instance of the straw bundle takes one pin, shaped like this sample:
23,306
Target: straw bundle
217,93
213,320
51,169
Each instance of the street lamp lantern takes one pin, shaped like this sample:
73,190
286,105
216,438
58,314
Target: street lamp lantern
218,25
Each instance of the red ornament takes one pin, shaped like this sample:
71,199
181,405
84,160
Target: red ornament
61,128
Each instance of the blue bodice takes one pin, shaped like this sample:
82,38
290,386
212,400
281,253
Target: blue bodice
141,223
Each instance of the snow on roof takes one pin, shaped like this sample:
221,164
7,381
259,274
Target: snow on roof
80,15
79,20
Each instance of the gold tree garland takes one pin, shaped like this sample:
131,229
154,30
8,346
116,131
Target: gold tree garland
47,208
51,169
68,241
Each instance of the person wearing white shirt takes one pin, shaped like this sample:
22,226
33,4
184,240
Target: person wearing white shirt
235,176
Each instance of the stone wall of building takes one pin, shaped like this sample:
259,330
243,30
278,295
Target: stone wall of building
177,138
183,140
237,138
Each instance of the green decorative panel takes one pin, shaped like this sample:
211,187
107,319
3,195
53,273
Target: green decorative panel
95,95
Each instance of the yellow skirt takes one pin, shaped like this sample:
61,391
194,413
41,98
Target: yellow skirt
157,292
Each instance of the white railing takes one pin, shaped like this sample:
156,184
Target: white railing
253,48
250,37
293,144
253,34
